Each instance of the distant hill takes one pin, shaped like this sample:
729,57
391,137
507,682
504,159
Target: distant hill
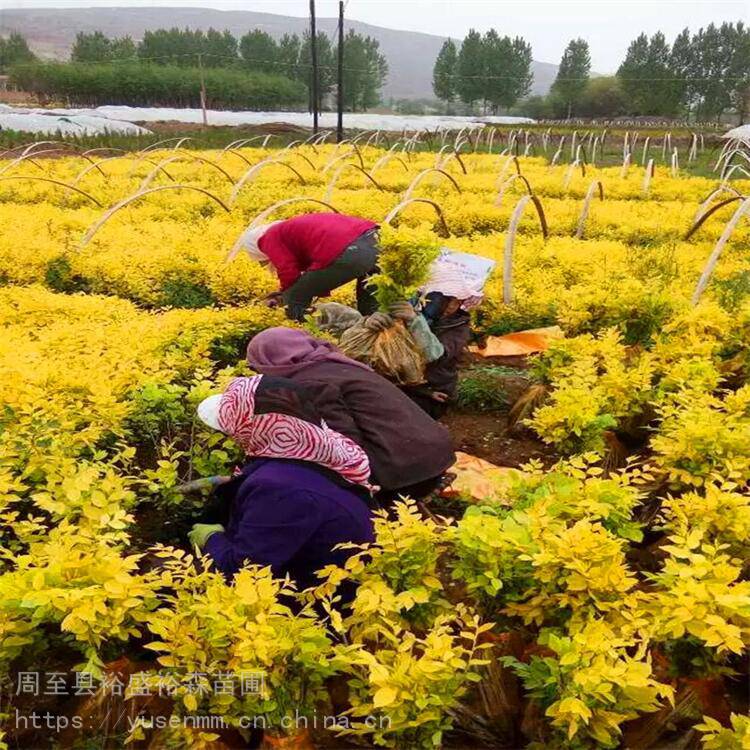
410,55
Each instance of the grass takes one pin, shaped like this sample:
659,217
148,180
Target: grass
212,137
483,388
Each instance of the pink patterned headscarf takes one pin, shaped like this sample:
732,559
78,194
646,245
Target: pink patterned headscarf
282,436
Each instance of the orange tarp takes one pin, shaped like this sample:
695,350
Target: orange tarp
478,480
520,343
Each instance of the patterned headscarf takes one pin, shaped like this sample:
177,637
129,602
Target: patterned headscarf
278,435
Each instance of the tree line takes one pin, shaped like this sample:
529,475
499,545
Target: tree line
700,75
489,69
365,68
14,50
136,84
287,62
704,73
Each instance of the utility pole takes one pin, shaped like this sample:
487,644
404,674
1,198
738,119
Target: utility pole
340,82
314,61
203,90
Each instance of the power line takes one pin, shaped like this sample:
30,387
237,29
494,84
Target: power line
519,78
456,76
238,60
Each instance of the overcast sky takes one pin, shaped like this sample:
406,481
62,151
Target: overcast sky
608,25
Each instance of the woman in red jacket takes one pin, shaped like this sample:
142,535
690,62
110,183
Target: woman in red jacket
314,254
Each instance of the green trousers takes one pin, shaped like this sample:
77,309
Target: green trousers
358,261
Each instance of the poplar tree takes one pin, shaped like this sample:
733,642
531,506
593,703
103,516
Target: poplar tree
444,82
471,74
573,75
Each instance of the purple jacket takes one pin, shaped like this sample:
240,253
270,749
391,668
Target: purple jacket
289,515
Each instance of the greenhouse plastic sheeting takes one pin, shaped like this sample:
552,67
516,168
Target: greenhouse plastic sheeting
75,122
741,133
361,121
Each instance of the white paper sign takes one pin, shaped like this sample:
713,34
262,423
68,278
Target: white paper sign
460,275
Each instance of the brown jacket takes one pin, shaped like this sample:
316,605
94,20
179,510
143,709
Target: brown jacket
454,334
442,374
405,446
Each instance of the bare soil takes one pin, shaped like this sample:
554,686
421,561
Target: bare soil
17,97
486,435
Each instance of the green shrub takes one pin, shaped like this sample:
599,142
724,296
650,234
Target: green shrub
732,291
483,388
139,84
158,410
59,277
180,291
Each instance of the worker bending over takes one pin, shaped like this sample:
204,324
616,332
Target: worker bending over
314,254
408,451
450,324
304,490
441,328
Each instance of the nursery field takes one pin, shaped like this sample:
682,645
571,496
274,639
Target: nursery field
595,596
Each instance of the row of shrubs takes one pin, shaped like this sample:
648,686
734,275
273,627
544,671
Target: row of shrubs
140,84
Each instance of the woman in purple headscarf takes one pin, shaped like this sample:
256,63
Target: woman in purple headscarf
408,450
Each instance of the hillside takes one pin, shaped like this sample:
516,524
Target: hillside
410,55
